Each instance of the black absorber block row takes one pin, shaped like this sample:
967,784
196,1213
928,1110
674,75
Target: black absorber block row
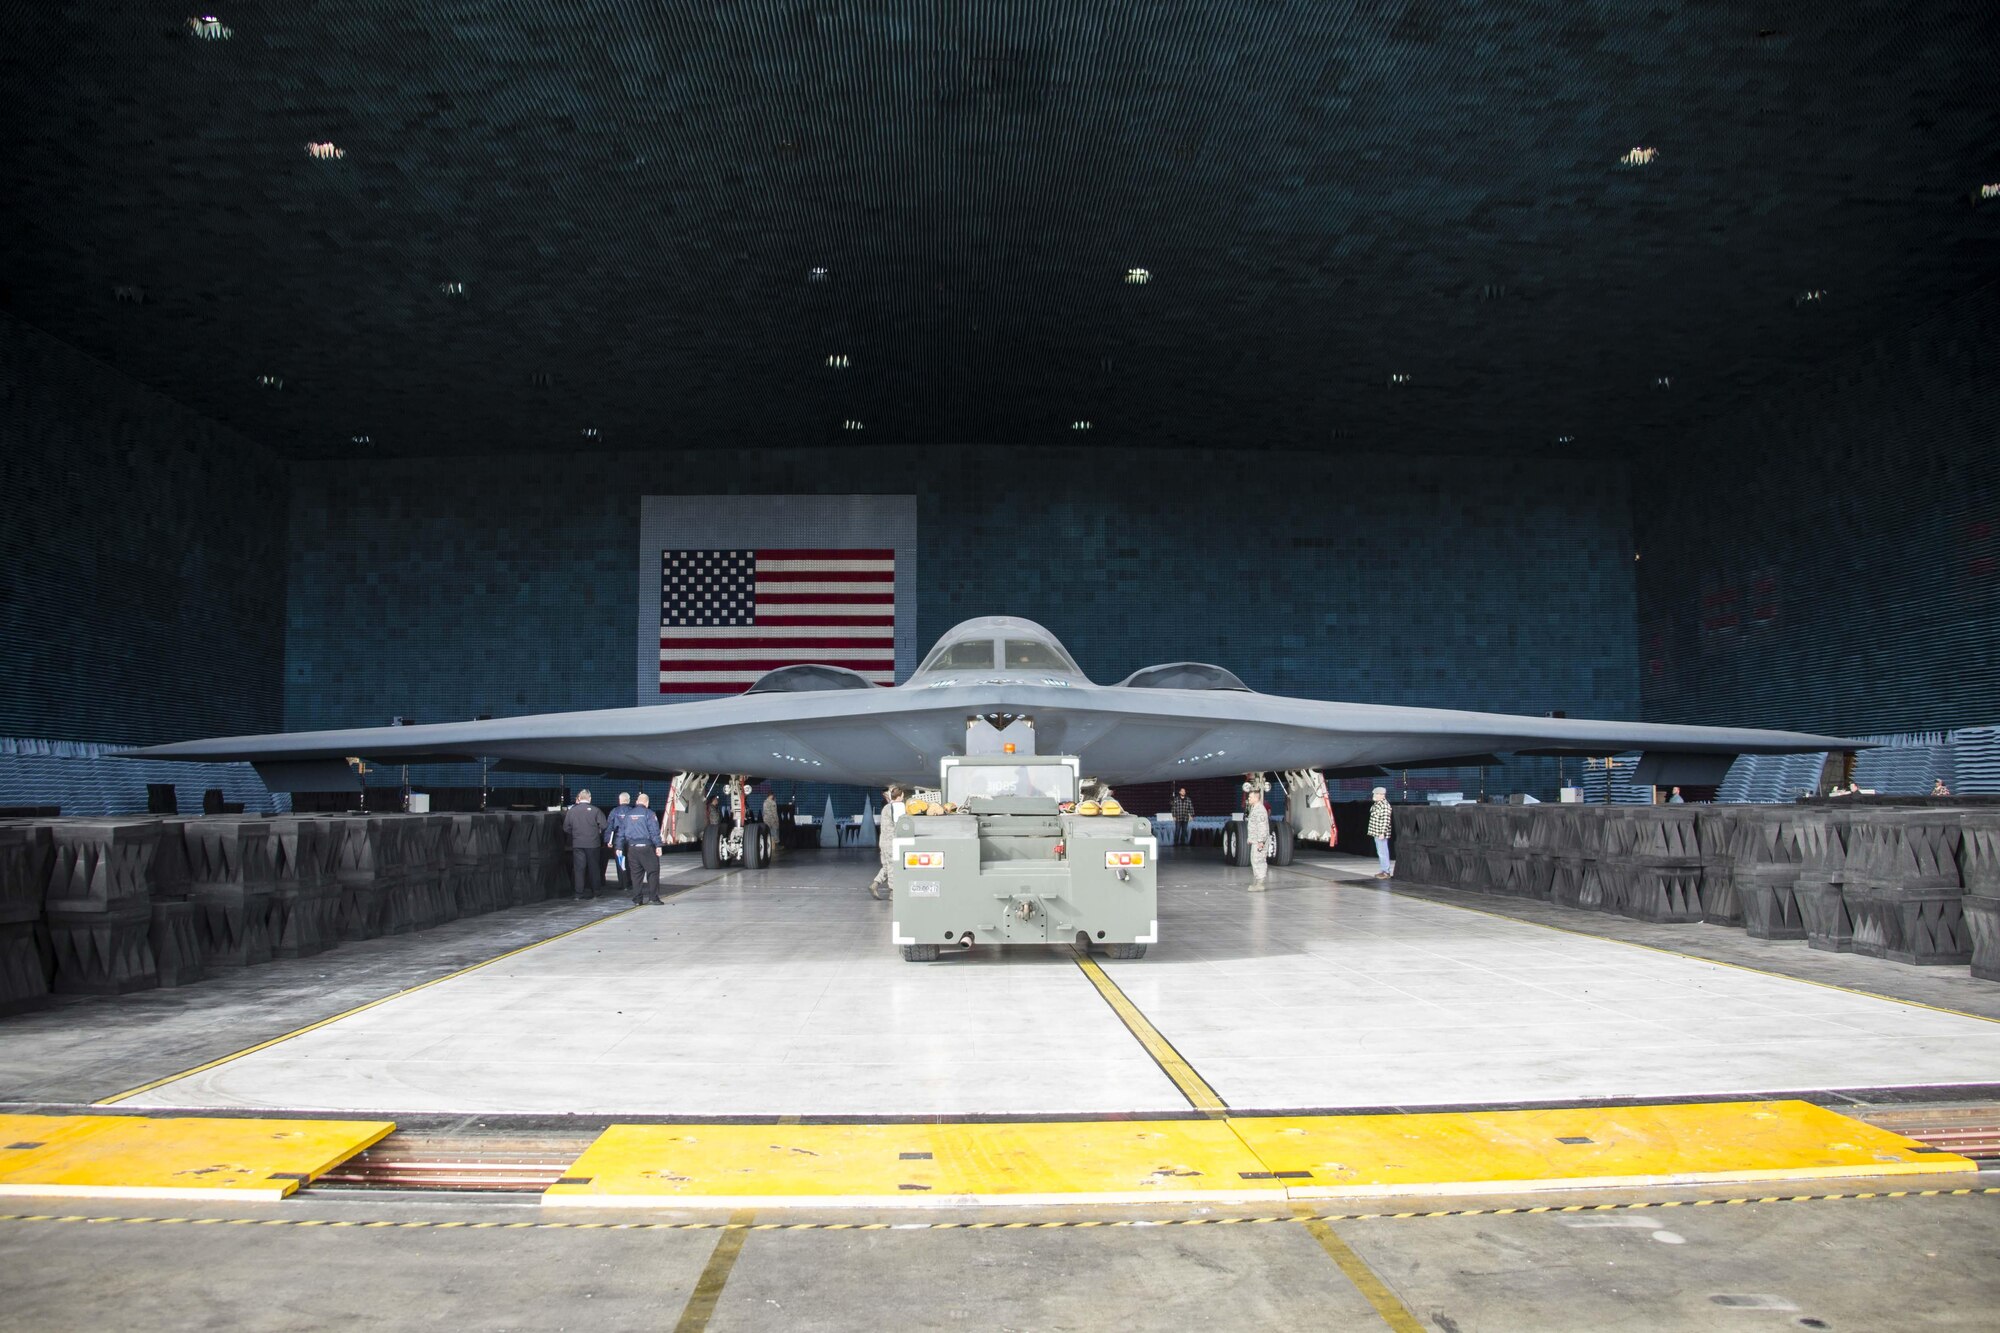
107,906
1910,883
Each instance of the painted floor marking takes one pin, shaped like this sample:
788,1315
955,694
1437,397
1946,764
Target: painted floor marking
1171,1062
1365,1279
714,1277
1025,1225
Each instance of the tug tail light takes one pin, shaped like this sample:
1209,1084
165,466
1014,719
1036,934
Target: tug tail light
1121,860
923,860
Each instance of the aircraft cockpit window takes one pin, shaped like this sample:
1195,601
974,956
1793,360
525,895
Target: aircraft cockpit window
965,655
1034,655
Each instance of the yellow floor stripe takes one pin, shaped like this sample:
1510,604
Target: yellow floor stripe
1386,1303
194,1157
714,1276
1042,1225
1192,1085
349,1013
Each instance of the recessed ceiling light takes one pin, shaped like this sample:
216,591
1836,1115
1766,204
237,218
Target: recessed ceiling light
452,288
271,381
210,29
818,275
1565,439
1398,377
540,379
1138,277
1663,381
1990,191
850,424
127,294
1079,425
1639,157
325,151
363,439
590,432
1811,297
838,361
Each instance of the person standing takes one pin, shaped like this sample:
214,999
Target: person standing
1676,798
1183,812
584,823
1257,832
614,825
1378,828
640,837
885,834
771,820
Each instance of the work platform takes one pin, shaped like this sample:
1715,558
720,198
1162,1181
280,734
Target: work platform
778,993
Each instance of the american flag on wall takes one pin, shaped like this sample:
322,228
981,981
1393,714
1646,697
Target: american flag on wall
728,616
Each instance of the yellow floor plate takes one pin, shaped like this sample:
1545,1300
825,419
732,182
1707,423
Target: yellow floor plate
134,1157
1241,1160
1631,1145
773,1166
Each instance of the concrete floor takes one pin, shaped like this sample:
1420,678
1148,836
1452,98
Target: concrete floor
1847,1264
778,994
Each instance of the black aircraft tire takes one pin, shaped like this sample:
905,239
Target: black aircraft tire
1125,951
711,847
754,847
1229,844
1284,856
920,953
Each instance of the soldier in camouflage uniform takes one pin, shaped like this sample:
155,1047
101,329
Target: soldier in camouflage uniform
885,832
1257,832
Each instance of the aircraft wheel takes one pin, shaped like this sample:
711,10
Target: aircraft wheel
711,847
1229,844
920,953
756,847
1125,951
1281,854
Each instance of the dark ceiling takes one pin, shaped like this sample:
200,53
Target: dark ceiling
1326,196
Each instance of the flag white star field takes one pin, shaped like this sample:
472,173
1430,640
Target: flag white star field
728,616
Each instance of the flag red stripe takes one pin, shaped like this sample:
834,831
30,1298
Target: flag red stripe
825,554
827,576
855,622
703,689
835,598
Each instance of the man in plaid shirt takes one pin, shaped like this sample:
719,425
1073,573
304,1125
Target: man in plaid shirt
1378,828
1183,812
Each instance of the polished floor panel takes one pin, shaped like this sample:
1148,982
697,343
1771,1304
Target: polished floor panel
1341,994
765,994
778,993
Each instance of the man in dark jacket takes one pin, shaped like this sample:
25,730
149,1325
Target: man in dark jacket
639,838
612,828
584,823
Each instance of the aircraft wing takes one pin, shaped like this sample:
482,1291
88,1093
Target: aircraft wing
876,735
